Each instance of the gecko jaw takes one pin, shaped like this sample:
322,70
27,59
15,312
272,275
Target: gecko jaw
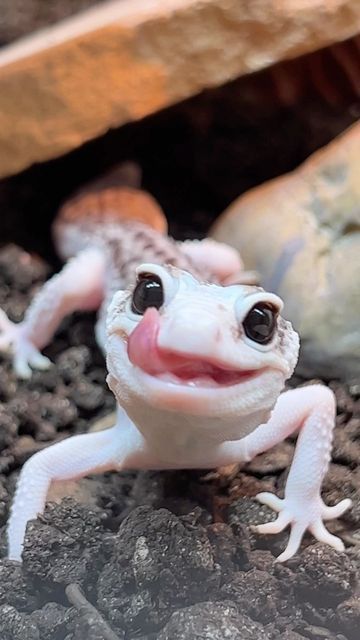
195,373
198,394
206,388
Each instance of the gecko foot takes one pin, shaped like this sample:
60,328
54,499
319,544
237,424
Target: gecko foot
24,354
301,516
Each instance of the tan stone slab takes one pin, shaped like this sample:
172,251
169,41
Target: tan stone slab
125,59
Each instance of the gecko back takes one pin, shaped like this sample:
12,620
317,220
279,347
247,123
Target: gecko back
103,233
112,200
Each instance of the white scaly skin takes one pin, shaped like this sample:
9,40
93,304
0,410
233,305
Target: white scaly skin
166,421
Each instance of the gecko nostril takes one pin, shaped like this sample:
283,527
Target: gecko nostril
121,333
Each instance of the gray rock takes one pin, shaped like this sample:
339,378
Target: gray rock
212,621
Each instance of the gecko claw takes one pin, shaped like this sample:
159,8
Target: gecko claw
25,355
40,362
301,518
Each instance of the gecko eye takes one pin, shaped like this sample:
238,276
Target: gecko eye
147,293
260,323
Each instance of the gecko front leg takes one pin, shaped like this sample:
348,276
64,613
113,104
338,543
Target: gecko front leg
311,410
70,459
79,286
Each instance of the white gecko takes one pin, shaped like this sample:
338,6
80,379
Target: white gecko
197,367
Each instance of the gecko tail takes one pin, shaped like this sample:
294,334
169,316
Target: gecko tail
115,197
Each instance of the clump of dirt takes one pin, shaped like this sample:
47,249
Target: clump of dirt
159,556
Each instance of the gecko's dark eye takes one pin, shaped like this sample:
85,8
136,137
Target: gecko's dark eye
147,293
260,323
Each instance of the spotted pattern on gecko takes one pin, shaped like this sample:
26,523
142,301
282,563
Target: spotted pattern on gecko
197,361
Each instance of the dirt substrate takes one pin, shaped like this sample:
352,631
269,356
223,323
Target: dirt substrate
159,556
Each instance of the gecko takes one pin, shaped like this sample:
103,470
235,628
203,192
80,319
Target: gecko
197,359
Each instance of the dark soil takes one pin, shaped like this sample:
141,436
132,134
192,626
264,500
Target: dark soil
20,17
159,556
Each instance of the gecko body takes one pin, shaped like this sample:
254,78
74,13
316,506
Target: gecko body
197,367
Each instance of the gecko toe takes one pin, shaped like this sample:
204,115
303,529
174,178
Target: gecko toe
21,367
270,500
320,532
328,513
278,525
38,361
296,534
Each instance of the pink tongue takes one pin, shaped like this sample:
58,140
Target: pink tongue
143,350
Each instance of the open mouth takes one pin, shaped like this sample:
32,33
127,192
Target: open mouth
180,369
201,374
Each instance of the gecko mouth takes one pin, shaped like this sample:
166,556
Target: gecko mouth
202,374
181,369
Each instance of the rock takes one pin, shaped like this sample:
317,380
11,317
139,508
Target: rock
290,635
301,233
20,270
256,593
323,576
119,62
14,587
248,512
86,626
341,483
16,626
273,461
8,429
160,561
348,614
73,362
66,544
88,396
4,499
263,560
58,411
83,491
228,552
52,620
212,621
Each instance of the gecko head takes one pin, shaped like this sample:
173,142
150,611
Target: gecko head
180,345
